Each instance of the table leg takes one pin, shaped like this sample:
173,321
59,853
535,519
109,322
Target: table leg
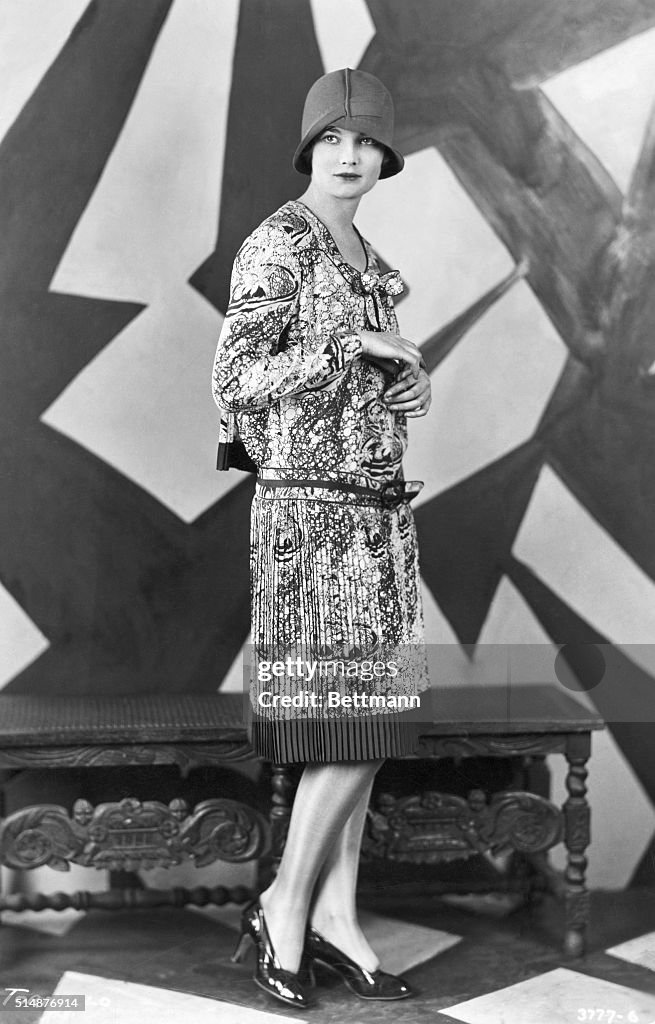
576,839
283,785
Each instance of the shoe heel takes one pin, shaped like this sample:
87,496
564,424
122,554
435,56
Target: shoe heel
242,946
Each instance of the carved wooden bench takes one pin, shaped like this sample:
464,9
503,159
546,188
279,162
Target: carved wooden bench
159,729
192,730
523,723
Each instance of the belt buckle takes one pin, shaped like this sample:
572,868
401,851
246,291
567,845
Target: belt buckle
400,491
391,493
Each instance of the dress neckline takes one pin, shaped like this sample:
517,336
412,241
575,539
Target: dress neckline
333,249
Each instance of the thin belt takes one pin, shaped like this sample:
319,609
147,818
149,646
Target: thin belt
388,493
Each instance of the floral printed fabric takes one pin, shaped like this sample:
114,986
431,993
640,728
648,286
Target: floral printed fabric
326,567
288,356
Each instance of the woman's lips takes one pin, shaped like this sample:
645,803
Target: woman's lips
348,177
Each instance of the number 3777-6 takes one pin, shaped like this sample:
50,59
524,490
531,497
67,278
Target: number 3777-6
598,1015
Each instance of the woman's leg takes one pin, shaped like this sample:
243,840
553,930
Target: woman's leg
334,910
326,797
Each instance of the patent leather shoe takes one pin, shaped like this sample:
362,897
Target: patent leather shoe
269,975
364,984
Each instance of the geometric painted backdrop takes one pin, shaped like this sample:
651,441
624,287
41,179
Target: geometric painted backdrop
140,142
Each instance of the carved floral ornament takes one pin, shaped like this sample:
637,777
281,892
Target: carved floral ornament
434,826
128,835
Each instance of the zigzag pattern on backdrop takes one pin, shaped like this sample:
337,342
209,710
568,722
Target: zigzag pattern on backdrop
127,595
132,598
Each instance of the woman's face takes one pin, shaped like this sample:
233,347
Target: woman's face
345,164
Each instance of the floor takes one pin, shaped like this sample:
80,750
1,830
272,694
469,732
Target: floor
476,964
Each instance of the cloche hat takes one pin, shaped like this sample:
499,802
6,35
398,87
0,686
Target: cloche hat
354,100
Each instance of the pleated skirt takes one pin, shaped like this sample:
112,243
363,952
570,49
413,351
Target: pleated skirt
334,581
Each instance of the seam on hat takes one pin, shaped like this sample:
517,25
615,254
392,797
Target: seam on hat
346,99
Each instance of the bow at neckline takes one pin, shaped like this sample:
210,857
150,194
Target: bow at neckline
376,290
368,283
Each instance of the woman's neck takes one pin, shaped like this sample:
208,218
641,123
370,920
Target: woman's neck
336,214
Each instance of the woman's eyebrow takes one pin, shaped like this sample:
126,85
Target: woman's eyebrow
339,131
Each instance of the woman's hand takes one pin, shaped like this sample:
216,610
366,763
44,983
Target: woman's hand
408,394
383,345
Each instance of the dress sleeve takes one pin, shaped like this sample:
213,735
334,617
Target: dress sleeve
258,360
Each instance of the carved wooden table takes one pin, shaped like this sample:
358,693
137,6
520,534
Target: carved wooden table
525,721
188,730
202,729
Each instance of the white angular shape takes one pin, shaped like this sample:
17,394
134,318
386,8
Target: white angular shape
425,224
511,621
555,997
153,217
437,628
48,922
488,395
343,29
144,402
572,553
144,405
449,664
401,945
640,654
637,951
608,99
21,641
512,646
511,626
113,1001
233,681
32,33
567,548
621,813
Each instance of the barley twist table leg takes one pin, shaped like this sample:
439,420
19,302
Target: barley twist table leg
283,785
576,839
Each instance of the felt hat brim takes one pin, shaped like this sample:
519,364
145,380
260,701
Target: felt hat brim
302,158
354,100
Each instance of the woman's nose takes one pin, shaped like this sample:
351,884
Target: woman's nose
348,153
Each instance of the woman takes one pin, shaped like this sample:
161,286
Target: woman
312,371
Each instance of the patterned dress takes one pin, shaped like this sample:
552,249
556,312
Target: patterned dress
334,564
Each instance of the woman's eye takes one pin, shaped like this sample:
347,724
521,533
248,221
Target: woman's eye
329,138
368,142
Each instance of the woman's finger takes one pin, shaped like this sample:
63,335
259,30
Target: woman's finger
414,400
413,396
409,386
411,360
404,373
390,346
402,394
405,406
409,352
